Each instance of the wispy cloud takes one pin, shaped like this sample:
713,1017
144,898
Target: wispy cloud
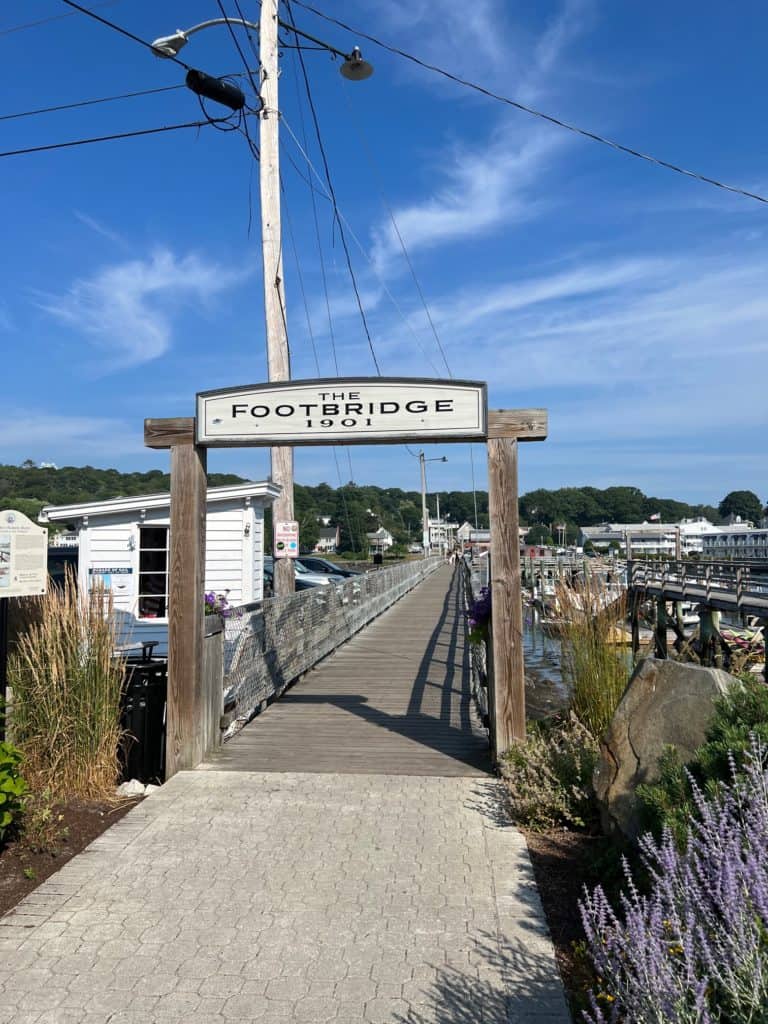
486,186
100,229
127,309
484,189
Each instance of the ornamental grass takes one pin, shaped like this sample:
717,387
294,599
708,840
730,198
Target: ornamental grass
66,694
594,665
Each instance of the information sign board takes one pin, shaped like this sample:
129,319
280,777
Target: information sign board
23,556
286,539
362,410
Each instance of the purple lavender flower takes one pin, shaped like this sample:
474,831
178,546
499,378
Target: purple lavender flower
694,949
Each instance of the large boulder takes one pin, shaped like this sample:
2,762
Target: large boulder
665,703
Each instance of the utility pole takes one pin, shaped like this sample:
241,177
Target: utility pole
278,362
424,512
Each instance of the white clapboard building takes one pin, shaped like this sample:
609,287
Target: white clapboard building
123,544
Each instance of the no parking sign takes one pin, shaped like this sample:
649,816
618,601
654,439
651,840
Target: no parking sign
287,539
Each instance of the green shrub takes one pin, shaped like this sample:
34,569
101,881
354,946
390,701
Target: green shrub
739,714
549,776
13,788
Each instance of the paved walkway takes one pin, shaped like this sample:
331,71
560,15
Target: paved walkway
291,897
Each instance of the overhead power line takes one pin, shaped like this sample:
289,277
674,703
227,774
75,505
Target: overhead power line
89,103
603,140
76,104
121,30
54,17
110,138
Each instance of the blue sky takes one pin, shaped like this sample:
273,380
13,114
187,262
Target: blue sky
629,301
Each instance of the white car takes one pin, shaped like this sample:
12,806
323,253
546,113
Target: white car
304,578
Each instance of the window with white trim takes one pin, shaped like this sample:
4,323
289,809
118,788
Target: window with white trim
153,572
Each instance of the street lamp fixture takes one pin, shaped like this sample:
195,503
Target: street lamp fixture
278,366
353,67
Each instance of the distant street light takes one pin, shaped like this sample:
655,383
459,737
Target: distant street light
424,513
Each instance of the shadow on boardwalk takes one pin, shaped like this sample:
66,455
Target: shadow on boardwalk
396,698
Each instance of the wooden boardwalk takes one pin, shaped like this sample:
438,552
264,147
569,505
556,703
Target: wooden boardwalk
394,700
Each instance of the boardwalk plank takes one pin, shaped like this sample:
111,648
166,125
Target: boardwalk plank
394,700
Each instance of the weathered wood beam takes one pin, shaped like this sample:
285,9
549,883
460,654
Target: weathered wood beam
520,424
167,432
507,704
185,743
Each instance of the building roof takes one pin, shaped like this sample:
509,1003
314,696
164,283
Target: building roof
264,491
328,532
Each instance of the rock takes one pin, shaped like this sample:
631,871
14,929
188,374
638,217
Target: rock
665,703
132,788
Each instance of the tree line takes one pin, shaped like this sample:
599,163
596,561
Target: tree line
360,509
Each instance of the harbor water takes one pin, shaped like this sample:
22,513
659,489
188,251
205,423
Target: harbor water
546,692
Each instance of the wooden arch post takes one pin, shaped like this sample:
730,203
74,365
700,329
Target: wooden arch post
186,582
506,698
188,440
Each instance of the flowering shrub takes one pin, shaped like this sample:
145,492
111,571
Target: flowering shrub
479,617
694,950
218,604
549,776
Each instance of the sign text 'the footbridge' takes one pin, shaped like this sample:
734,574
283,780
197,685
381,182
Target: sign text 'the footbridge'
343,411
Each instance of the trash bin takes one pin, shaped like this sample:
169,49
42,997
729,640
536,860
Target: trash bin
142,719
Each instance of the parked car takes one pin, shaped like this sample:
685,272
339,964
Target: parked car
304,579
322,565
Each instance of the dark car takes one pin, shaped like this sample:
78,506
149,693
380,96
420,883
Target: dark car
315,564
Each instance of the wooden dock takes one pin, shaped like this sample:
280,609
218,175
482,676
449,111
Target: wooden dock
394,700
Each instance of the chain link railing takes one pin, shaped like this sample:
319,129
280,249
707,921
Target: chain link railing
270,644
475,577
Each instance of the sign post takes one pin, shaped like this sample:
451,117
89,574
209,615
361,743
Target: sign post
367,410
23,573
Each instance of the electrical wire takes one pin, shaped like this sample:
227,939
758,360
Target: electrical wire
54,17
332,193
360,246
107,138
89,103
316,357
558,122
123,31
239,48
103,99
315,219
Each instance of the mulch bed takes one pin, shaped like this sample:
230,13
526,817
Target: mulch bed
563,863
23,869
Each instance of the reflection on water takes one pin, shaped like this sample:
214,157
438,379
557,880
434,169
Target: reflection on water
545,690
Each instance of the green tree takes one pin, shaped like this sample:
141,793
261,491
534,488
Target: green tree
741,503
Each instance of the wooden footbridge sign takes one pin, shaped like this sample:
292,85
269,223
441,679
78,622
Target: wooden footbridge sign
367,410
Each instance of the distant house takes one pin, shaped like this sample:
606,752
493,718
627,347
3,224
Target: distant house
464,532
738,542
328,541
380,540
123,544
